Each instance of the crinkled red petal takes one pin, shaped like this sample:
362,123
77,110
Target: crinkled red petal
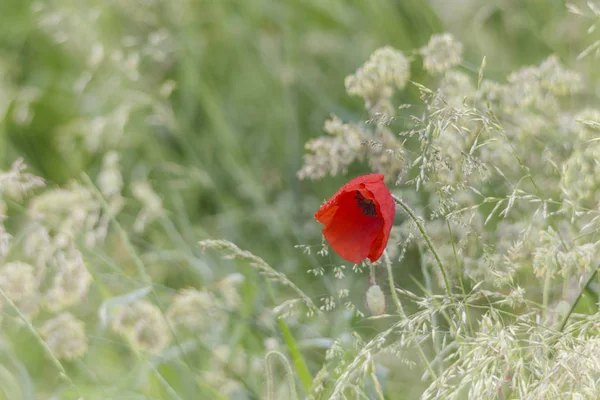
352,234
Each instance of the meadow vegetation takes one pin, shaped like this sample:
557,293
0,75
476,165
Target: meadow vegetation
161,163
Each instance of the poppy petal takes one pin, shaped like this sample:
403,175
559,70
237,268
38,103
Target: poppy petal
358,218
351,233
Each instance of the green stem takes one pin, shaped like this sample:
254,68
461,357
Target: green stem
460,278
546,294
269,371
297,359
429,244
376,382
568,315
165,384
372,275
388,264
139,264
41,341
434,316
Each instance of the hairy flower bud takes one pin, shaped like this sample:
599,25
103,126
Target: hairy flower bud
375,300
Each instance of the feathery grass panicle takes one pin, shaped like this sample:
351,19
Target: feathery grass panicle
143,325
441,53
133,113
386,69
152,207
261,266
501,218
70,282
590,11
65,336
19,282
331,155
16,183
195,310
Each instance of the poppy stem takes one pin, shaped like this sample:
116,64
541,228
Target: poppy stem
428,241
372,275
388,265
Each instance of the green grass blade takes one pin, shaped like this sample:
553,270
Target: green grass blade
297,358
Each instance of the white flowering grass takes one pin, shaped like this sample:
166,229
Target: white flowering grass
469,137
156,230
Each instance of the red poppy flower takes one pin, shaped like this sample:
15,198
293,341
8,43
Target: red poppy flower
358,218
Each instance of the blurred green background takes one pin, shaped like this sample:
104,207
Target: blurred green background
253,80
212,101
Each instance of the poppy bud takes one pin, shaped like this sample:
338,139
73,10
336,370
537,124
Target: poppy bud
375,300
358,218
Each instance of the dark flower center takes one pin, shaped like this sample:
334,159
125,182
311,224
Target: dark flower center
367,206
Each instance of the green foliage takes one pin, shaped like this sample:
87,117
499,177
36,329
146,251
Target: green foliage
132,131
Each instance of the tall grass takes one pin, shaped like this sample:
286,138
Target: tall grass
148,127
